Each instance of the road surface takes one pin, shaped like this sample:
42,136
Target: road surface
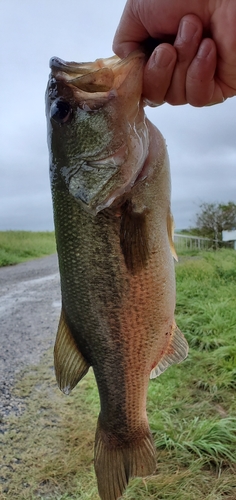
29,311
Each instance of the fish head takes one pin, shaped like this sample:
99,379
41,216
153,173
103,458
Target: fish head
97,134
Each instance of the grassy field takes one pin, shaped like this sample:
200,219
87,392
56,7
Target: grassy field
19,246
48,451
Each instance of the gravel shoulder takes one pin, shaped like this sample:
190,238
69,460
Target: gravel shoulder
29,311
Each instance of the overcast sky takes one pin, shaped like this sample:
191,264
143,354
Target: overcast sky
201,142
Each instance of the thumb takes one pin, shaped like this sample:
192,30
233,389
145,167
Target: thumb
129,34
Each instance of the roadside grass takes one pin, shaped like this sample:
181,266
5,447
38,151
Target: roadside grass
19,246
48,450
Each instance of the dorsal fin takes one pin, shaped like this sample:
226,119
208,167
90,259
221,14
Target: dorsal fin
70,365
176,352
170,231
134,238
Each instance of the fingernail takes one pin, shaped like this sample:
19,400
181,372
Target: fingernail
204,50
187,31
163,57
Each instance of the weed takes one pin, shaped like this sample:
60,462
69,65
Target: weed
19,246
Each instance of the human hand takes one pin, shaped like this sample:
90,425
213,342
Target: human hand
195,70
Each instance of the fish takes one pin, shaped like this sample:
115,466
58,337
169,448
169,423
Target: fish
111,188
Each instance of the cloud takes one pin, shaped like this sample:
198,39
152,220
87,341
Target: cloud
201,142
202,149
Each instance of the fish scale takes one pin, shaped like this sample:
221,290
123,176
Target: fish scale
113,229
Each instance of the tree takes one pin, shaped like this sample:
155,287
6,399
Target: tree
214,218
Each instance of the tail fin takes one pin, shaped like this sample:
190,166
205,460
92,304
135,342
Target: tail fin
115,465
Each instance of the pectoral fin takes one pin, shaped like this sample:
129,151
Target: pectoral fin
70,365
134,238
170,231
176,352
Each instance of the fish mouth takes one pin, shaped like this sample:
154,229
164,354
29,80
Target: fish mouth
89,84
87,77
56,63
101,75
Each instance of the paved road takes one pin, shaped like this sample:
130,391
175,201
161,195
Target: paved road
29,312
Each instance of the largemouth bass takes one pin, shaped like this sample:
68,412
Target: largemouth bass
110,186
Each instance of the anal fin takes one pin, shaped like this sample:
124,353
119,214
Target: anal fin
70,365
176,352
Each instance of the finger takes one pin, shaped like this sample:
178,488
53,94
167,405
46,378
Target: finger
186,44
158,73
201,86
130,32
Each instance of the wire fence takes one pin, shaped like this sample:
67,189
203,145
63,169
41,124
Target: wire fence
187,242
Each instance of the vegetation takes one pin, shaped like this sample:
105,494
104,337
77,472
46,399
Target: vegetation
19,246
48,450
213,218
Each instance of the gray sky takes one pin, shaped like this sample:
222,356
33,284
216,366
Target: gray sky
201,142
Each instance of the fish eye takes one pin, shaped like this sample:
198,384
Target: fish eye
61,111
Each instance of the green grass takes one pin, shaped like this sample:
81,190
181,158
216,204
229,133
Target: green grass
192,409
19,246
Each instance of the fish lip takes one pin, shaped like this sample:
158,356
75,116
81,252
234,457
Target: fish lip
70,70
56,63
